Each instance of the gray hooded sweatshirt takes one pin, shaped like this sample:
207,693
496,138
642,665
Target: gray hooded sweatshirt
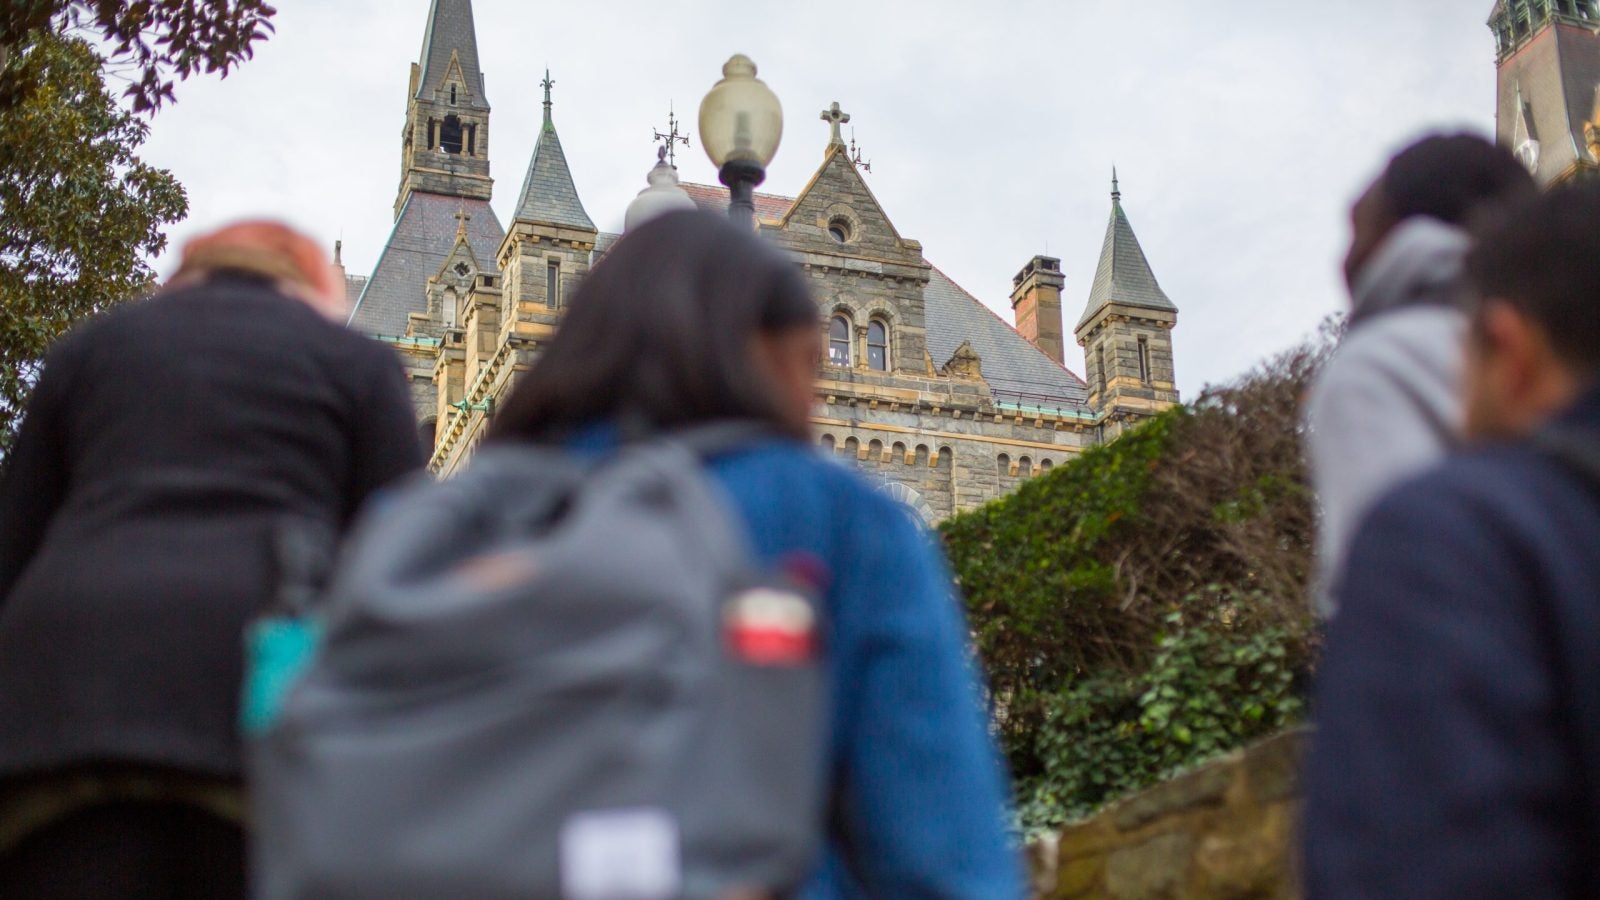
1387,405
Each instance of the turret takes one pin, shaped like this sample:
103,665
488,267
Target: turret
1126,331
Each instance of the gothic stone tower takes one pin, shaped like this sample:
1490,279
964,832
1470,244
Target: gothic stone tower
445,145
1549,72
445,234
1126,331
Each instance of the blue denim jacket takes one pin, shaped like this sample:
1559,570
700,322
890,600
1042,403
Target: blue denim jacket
922,795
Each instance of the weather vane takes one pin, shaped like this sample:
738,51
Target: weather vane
672,137
855,154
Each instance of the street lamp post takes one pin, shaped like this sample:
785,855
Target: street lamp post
741,123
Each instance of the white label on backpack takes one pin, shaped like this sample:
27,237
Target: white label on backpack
620,855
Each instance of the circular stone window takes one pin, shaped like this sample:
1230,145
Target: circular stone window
839,229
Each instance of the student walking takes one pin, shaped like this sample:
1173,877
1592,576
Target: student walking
1387,405
166,444
1458,702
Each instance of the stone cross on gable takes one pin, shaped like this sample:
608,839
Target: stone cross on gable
461,221
835,117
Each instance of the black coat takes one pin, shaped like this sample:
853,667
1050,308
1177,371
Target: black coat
1458,708
165,444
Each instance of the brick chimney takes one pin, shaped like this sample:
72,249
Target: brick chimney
1036,303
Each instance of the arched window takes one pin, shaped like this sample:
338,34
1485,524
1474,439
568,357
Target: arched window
827,443
945,459
1025,467
1046,466
449,301
875,451
898,453
450,135
839,342
852,447
427,433
878,346
1003,464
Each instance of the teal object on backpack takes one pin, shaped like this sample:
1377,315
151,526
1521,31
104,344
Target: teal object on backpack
280,645
278,649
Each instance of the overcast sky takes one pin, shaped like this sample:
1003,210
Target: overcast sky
1241,129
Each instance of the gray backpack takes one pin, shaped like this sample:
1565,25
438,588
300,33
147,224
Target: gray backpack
545,678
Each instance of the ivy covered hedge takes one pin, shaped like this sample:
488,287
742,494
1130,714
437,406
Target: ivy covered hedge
1144,607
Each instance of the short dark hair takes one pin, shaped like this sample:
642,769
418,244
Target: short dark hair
1542,256
1452,178
659,335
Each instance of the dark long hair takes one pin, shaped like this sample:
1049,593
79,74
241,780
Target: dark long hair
660,334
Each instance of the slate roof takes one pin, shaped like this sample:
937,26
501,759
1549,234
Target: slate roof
450,29
548,194
1123,275
422,239
1016,370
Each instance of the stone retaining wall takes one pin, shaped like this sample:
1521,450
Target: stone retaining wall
1223,831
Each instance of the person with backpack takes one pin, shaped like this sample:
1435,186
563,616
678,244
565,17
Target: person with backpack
650,644
1387,405
166,445
1458,700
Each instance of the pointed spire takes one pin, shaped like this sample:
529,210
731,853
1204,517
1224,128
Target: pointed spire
1124,276
549,195
451,37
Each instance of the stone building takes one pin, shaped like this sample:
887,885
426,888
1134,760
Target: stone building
923,388
1548,95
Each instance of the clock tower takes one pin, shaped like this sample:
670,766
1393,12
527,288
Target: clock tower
1548,54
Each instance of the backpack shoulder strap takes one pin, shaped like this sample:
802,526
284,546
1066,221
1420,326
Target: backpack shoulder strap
1578,450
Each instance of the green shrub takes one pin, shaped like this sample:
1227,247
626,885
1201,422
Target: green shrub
1212,685
1143,607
